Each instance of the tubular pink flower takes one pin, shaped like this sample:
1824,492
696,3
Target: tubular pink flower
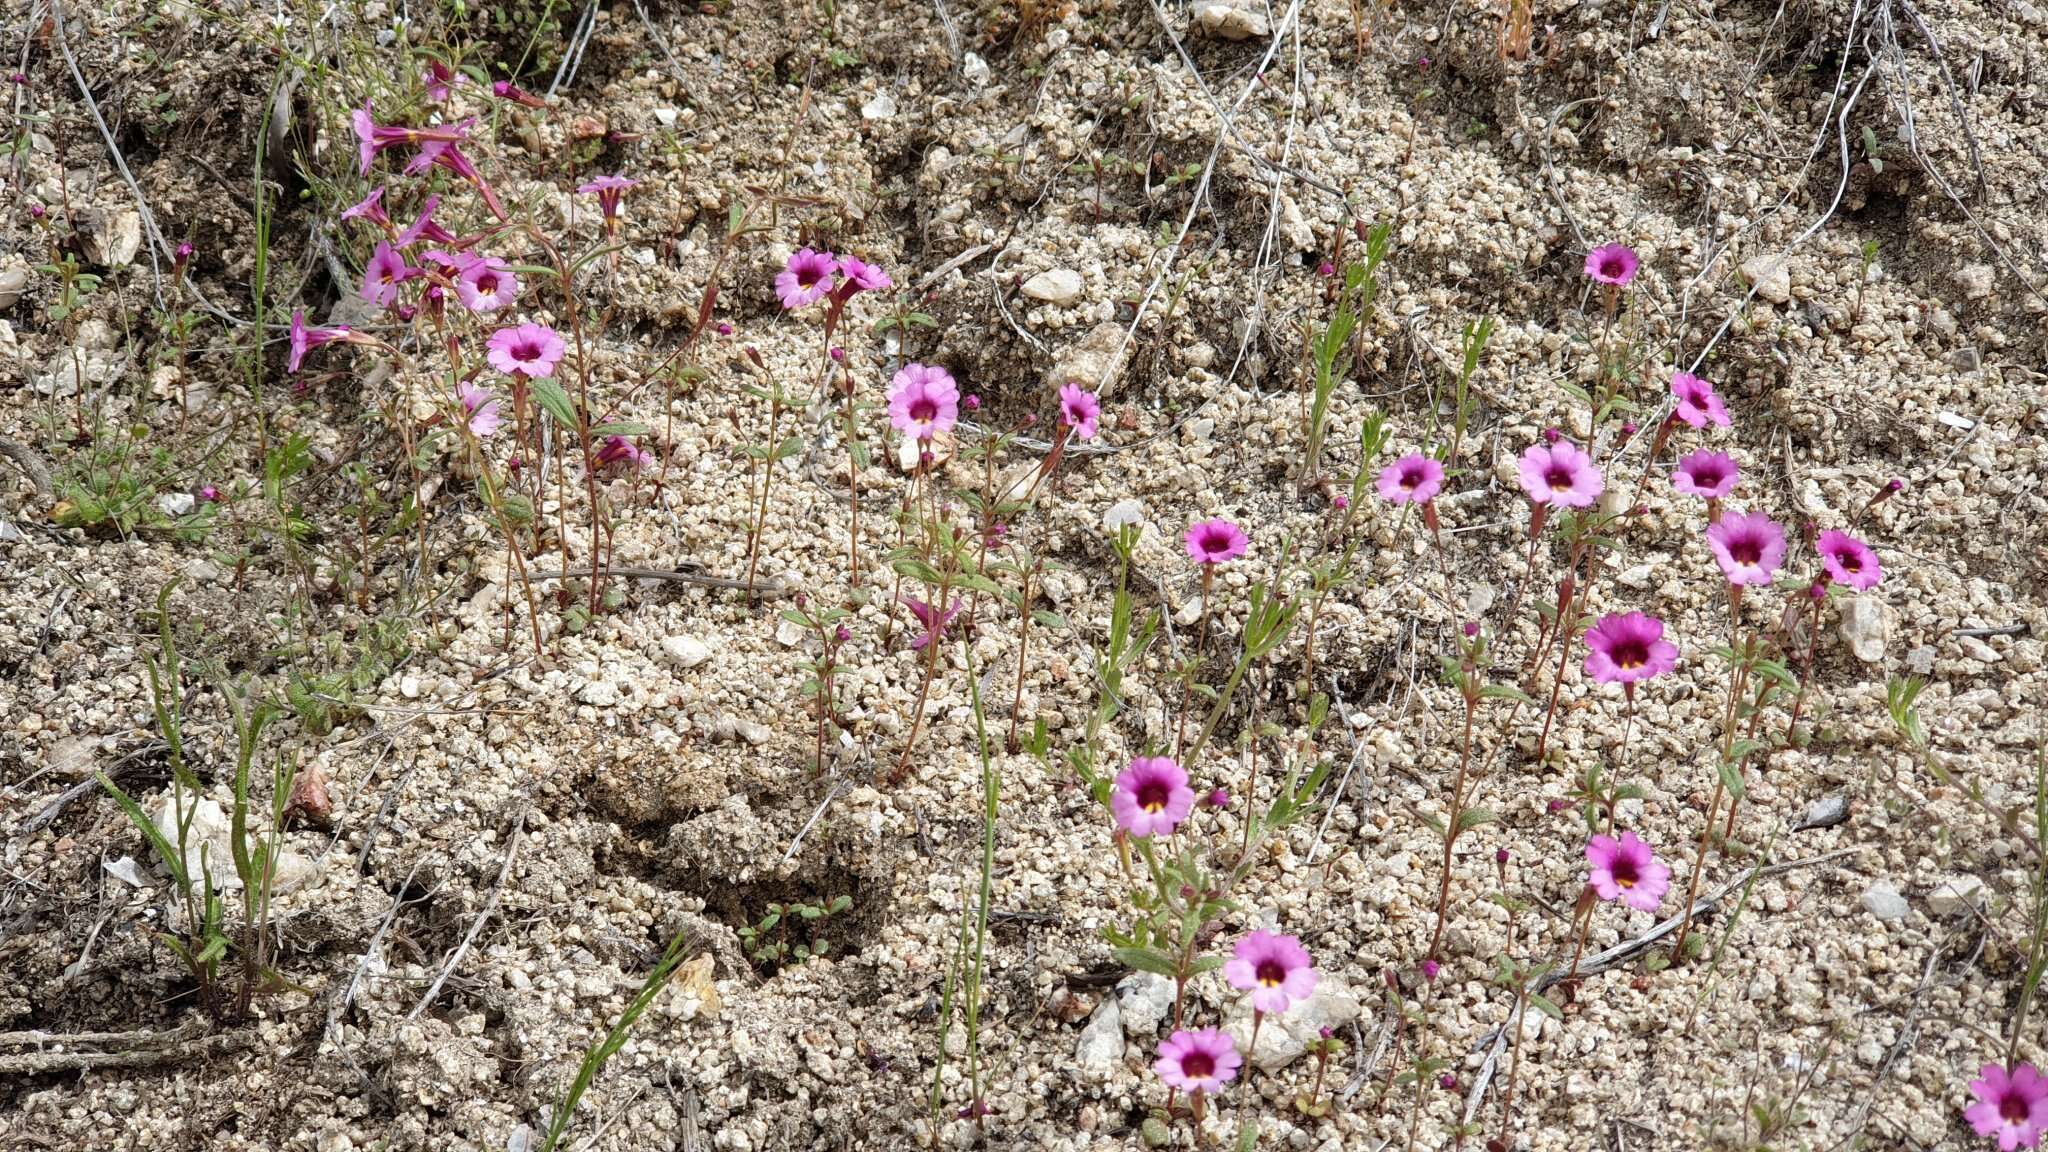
1201,1061
1561,475
486,284
1848,560
1413,479
1079,410
805,278
619,450
1275,969
1697,405
446,154
506,90
1748,546
530,350
2012,1106
1613,264
1625,870
1151,797
1215,541
369,208
933,620
1707,475
424,228
479,408
305,338
857,275
386,270
439,78
924,402
1624,649
609,190
372,137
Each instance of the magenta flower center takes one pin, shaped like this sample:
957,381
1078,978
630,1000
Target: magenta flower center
2014,1109
1708,475
487,283
1153,795
1629,652
923,409
1199,1065
1214,543
1746,549
1849,561
526,351
1559,478
1624,872
809,275
1272,974
1612,266
1412,477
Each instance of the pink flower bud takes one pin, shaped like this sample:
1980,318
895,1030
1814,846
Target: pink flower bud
842,634
1341,502
1551,435
724,329
1471,629
1220,798
838,353
1558,805
1326,269
1429,970
1500,856
1448,1081
971,402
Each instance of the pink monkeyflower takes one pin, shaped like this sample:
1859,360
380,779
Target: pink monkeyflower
439,78
208,494
609,190
1201,1061
1151,797
805,278
372,137
1275,969
1748,546
857,275
386,270
486,284
1625,870
1215,541
530,350
369,208
1413,479
1707,475
506,90
1622,649
1612,264
304,339
933,620
2013,1106
924,402
1697,403
440,154
620,450
1848,560
1079,410
479,408
1561,475
424,228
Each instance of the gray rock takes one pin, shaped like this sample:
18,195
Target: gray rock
1956,895
112,236
1124,512
685,651
1231,20
1863,627
1884,902
1091,361
1771,276
1101,1048
1058,286
13,283
1144,999
1283,1039
1975,280
1825,812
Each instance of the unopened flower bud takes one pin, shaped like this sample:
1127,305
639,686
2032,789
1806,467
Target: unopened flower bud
1326,269
1500,856
1552,435
971,402
1429,970
724,329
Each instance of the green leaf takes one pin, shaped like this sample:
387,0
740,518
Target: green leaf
1505,692
1144,960
1472,818
788,448
622,428
1046,619
917,570
1731,778
557,403
1542,1004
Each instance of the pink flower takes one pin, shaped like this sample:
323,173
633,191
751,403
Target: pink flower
305,339
486,284
386,270
439,78
506,90
1697,403
208,494
1560,474
807,277
372,137
2011,1106
1848,560
1151,797
1748,547
1413,479
1079,409
369,208
530,350
934,621
858,275
1215,541
1613,264
1625,649
1707,475
439,154
609,191
480,408
1625,870
424,227
1201,1061
923,401
1275,969
619,450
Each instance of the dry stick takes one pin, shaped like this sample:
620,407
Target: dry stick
476,925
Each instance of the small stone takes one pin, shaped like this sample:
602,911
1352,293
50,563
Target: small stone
74,757
599,694
1975,280
1131,511
1863,627
1978,650
684,652
1057,286
409,687
13,283
1920,661
789,633
1771,276
1144,999
1229,20
666,117
753,732
1283,1039
1825,812
881,107
974,69
1091,361
1101,1047
176,504
126,871
1954,896
112,237
1884,902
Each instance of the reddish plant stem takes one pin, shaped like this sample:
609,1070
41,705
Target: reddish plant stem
1443,891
